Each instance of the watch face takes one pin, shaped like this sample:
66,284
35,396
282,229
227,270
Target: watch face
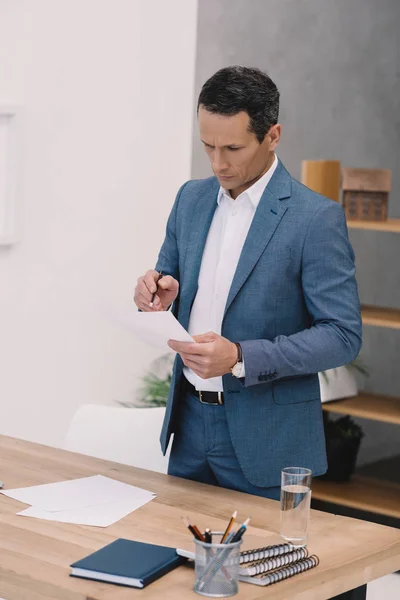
236,369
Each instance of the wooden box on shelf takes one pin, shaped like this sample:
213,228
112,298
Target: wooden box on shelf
365,193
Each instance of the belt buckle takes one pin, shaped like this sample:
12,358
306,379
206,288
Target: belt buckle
220,402
201,398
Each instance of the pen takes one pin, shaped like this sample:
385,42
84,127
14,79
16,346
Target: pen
154,295
239,534
208,536
193,529
229,527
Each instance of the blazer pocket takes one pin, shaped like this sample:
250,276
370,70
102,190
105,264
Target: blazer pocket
298,389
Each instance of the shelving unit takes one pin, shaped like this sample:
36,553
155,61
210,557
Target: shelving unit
381,317
363,493
392,225
368,406
367,493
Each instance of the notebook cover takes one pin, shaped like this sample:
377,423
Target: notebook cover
127,558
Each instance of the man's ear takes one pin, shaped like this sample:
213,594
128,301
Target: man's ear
275,135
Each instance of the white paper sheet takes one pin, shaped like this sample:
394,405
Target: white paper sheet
101,515
156,328
77,493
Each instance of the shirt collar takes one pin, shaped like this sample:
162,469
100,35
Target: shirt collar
255,191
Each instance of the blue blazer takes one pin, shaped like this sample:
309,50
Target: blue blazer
294,307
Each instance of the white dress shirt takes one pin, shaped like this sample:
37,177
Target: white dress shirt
225,240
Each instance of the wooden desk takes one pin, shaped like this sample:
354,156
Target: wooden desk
35,555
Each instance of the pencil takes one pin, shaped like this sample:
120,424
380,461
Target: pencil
193,529
229,527
199,534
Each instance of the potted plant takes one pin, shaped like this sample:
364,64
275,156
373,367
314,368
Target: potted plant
343,437
154,390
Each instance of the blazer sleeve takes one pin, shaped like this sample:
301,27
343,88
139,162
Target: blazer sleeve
331,296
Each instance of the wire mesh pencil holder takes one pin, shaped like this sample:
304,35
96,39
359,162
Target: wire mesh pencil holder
216,567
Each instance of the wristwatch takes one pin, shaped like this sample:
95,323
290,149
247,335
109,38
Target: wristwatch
237,368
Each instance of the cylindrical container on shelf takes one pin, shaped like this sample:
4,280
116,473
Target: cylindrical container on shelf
217,567
322,176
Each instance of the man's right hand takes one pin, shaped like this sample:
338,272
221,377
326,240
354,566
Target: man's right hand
167,290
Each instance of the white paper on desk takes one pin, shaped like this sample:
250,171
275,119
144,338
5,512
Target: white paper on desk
156,328
77,493
101,515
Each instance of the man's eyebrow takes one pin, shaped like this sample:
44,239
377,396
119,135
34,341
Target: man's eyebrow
226,146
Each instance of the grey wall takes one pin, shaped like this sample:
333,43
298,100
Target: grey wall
336,64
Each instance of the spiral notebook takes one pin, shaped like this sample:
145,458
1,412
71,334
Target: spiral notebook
284,573
247,556
270,564
265,566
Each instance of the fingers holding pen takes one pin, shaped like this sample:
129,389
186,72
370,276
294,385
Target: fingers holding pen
145,297
155,291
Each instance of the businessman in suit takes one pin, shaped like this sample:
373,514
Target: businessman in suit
260,271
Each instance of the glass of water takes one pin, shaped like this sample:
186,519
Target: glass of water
295,504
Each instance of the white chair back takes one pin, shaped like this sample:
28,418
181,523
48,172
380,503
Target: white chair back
125,435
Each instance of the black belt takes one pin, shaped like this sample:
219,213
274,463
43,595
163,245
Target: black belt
204,397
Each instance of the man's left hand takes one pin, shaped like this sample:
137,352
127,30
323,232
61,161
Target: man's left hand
210,355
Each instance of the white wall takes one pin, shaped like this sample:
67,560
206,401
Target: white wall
106,95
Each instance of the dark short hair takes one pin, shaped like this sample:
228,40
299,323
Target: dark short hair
235,89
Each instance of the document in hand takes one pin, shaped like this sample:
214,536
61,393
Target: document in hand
156,328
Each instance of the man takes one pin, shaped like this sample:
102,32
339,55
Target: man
260,271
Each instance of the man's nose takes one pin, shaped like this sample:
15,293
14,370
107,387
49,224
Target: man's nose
219,163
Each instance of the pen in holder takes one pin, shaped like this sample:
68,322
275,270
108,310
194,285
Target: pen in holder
216,567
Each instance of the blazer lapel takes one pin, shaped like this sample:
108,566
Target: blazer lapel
200,224
266,219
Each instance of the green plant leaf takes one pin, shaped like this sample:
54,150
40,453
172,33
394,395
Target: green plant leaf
155,384
325,376
343,428
358,366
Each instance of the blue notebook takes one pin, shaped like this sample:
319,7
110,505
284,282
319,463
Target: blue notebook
126,562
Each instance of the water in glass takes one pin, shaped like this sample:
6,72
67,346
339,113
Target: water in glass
295,509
